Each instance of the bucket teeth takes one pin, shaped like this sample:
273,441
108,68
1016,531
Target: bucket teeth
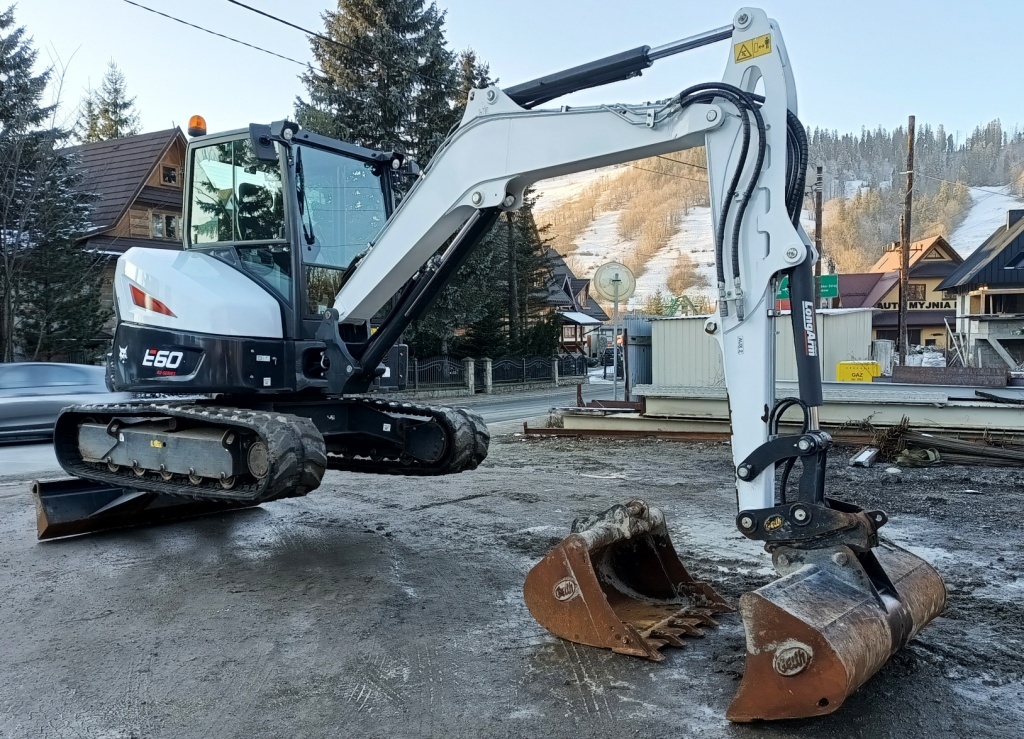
616,582
670,636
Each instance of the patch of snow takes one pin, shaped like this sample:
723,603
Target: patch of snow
695,239
557,190
600,243
988,213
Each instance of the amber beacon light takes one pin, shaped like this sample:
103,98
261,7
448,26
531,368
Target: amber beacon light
197,126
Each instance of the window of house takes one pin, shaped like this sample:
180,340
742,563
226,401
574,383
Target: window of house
915,291
171,227
157,230
170,175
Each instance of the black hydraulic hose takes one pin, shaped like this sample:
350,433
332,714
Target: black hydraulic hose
783,405
795,132
745,103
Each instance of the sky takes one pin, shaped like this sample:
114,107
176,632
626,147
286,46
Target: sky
857,63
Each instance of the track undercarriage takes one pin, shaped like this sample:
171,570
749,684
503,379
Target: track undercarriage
143,454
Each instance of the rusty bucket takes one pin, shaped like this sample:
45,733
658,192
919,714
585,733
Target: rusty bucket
831,622
616,582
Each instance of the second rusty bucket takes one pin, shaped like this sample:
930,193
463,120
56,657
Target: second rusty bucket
616,582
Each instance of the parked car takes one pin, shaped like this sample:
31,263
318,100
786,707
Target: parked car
32,394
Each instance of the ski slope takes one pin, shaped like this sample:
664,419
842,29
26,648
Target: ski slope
600,242
987,213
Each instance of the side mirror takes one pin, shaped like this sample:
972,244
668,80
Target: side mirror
262,143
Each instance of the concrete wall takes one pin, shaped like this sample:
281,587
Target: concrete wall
685,355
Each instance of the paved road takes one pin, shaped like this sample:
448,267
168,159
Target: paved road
27,460
518,407
37,460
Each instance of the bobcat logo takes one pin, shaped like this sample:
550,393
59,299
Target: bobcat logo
122,354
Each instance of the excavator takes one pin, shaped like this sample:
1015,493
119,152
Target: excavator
301,269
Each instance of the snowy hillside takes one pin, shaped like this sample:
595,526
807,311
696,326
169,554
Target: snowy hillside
600,242
988,212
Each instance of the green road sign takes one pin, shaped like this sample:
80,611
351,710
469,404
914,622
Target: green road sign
828,284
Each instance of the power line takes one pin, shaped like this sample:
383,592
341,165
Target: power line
221,35
951,182
330,40
244,43
668,174
688,164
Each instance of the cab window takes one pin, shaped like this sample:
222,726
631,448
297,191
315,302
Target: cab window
235,197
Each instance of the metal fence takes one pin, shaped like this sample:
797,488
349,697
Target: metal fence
572,366
437,372
444,372
520,369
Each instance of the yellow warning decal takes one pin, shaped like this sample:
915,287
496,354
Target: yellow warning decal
156,444
747,50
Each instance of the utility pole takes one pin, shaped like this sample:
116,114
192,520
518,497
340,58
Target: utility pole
908,202
616,281
817,232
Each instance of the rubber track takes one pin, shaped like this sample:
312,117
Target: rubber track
295,448
467,434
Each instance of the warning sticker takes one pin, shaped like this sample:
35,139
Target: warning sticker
747,50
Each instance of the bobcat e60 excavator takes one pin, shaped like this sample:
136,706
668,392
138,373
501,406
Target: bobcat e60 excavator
293,243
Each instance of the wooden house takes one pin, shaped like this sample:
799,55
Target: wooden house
929,309
988,290
136,182
570,300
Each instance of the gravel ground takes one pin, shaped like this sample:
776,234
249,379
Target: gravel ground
391,607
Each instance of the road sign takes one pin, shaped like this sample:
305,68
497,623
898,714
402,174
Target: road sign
829,286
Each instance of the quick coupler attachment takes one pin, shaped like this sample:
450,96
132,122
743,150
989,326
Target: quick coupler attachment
617,582
846,602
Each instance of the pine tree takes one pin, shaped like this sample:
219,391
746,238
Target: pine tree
63,307
41,213
387,77
108,113
22,137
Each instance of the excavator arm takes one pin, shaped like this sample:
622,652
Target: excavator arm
501,148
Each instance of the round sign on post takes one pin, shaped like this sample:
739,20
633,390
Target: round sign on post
614,282
612,275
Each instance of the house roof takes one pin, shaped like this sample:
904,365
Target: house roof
565,282
892,259
596,311
580,319
933,268
865,289
915,318
992,263
116,171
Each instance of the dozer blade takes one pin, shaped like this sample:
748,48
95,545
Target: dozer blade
72,507
616,582
818,633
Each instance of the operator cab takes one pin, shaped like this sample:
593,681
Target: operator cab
292,210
